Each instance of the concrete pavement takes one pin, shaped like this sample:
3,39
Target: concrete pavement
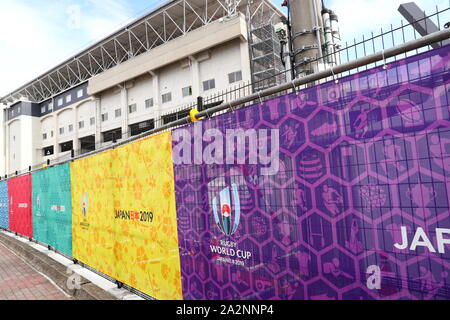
19,281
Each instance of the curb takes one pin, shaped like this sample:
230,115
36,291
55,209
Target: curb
55,271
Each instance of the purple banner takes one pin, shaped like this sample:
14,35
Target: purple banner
338,191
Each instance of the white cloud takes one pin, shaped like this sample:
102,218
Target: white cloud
25,38
38,37
104,17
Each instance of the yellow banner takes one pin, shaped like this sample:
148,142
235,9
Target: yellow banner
124,216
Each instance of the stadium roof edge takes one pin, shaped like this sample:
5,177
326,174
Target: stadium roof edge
106,39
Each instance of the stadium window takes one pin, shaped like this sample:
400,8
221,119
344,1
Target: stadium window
48,151
43,109
187,92
68,98
148,103
142,127
81,124
50,106
66,146
71,128
118,113
92,121
51,134
115,134
167,97
61,131
44,136
235,77
87,144
60,102
209,84
132,108
80,93
104,117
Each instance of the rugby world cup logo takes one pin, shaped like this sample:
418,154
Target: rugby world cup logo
227,210
84,203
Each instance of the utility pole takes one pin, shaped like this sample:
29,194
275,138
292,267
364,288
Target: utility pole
307,26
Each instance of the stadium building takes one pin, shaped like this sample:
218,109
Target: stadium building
149,69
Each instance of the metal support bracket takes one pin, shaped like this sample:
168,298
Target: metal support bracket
306,48
303,62
304,32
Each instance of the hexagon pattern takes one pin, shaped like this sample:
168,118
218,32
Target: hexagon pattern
358,207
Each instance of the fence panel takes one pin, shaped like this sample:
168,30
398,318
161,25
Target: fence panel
124,220
4,219
358,204
20,215
52,208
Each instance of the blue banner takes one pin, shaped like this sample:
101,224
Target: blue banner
4,220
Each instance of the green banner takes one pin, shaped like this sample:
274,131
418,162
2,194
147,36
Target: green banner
52,208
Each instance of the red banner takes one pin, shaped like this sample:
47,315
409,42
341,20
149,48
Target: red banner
20,211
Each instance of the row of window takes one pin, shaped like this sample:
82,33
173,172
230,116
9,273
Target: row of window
44,108
88,143
207,85
63,147
60,101
81,125
167,97
12,112
131,109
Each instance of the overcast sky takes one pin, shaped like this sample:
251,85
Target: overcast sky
38,34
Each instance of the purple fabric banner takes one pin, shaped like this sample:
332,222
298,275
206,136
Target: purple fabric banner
338,191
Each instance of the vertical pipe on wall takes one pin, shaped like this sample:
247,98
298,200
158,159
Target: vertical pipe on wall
307,42
336,37
328,45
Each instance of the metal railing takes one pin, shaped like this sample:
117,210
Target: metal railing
353,59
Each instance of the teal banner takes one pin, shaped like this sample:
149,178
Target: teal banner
52,208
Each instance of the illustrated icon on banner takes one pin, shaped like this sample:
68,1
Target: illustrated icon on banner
286,230
422,195
410,113
84,203
362,123
300,102
333,268
393,156
300,199
223,217
304,260
354,245
428,282
438,151
325,129
332,199
311,167
259,226
373,196
290,134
